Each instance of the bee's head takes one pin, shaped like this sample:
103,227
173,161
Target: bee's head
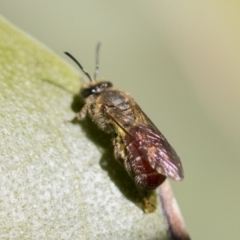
94,88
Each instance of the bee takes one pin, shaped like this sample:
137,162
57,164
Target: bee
139,146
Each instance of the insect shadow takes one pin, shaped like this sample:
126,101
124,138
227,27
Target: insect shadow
116,172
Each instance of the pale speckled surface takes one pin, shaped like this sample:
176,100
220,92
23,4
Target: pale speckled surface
51,183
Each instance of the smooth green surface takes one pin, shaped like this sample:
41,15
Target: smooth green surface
55,183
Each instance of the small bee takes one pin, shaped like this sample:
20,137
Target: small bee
138,145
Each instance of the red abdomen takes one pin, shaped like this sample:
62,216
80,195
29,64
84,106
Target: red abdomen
138,165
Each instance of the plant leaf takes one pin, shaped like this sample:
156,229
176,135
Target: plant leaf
56,181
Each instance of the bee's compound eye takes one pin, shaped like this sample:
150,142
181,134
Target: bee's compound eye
108,84
85,92
95,89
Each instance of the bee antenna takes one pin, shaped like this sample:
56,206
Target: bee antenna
97,60
80,66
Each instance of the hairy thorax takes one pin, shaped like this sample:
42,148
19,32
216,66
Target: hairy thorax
105,107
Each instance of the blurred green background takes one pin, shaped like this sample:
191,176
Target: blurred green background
181,62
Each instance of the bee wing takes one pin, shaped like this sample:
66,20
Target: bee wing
161,155
151,143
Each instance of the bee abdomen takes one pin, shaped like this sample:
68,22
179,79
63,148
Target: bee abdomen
140,170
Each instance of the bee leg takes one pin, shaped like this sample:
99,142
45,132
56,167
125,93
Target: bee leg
80,115
149,200
148,207
119,152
